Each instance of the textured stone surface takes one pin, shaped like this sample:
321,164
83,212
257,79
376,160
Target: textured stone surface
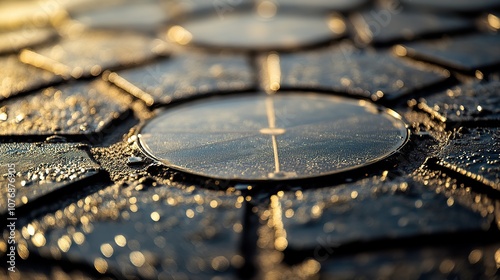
253,31
466,53
322,5
426,262
434,213
141,16
475,102
371,210
385,25
182,8
182,76
17,14
158,232
90,53
79,108
476,150
14,41
345,69
458,6
42,168
17,77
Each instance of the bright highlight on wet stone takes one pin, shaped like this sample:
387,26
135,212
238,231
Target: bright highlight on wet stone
272,137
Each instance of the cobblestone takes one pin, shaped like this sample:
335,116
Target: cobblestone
44,168
80,108
102,208
182,76
346,69
18,77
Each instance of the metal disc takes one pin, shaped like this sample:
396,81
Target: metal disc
272,137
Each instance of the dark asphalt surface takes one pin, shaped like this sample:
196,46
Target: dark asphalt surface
80,80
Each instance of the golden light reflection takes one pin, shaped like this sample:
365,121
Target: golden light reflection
220,263
213,204
237,227
179,35
190,213
40,61
475,256
3,246
155,216
134,208
78,238
120,240
316,211
497,258
400,50
22,251
31,229
354,194
280,241
129,87
64,243
494,21
310,267
137,258
274,71
267,9
101,265
107,250
38,240
336,24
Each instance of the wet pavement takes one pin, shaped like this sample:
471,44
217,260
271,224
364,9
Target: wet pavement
169,139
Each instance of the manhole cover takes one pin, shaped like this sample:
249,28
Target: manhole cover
272,137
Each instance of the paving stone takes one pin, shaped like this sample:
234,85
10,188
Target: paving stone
466,53
18,14
18,77
252,31
436,262
14,41
371,210
182,76
345,69
335,5
445,179
477,102
383,26
453,5
182,8
32,270
140,16
77,109
89,53
406,228
477,151
42,168
156,233
81,6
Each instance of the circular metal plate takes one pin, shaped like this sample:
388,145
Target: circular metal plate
272,137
